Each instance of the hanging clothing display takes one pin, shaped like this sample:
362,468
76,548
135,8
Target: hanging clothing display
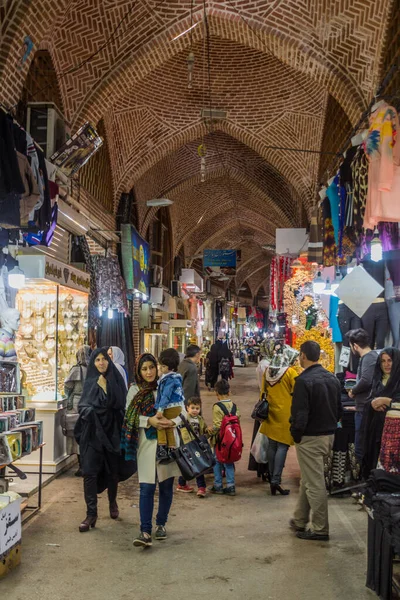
315,244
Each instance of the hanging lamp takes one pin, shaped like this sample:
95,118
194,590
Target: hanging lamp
376,247
318,284
16,278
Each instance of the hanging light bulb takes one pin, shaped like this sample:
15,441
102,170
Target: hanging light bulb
376,247
318,284
190,66
110,313
100,310
328,288
16,278
336,282
277,327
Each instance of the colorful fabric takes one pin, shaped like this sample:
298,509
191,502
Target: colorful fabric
141,405
390,447
284,358
315,244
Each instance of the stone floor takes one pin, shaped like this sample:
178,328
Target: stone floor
217,547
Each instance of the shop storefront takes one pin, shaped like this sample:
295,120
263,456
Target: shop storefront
54,310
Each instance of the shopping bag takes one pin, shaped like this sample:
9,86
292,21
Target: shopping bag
259,449
194,458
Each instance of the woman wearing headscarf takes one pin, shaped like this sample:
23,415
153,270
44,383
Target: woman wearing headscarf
139,442
278,385
382,432
73,386
118,358
98,433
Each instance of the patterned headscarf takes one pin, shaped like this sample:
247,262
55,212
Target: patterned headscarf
141,405
284,357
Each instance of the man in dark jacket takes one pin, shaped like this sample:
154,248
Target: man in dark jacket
360,346
316,410
188,370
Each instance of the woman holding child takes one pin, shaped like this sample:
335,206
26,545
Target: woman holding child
139,441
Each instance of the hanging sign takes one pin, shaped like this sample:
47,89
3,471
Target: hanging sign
40,266
77,150
358,290
223,261
135,260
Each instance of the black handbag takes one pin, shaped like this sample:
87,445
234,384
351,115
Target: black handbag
195,457
261,409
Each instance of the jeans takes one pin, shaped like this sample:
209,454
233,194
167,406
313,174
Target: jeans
276,460
200,481
229,473
375,321
146,503
394,318
358,415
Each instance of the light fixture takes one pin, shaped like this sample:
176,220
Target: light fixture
318,284
159,202
297,264
16,278
190,65
110,313
328,288
137,294
376,247
100,310
336,282
277,327
144,297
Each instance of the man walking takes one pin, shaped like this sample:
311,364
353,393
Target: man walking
188,370
316,410
360,346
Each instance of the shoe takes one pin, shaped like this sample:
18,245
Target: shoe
201,492
229,491
89,522
143,540
114,512
161,533
187,489
292,525
277,488
215,490
310,535
78,473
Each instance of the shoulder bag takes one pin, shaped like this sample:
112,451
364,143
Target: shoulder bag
261,409
195,457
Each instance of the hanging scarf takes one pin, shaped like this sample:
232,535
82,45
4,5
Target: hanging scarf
284,358
141,405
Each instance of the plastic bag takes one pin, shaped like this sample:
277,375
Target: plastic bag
259,448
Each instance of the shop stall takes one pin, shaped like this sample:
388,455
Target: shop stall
54,306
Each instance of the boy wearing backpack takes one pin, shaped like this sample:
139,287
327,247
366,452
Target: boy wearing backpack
227,439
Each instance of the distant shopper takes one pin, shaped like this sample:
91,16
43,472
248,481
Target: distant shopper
219,363
360,346
188,370
139,441
224,407
98,433
118,358
316,410
73,386
193,409
278,385
170,401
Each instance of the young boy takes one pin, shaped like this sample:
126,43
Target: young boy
222,390
170,400
193,409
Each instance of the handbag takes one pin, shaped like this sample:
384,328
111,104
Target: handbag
261,409
195,457
68,422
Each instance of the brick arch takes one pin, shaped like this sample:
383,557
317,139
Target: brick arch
296,47
253,270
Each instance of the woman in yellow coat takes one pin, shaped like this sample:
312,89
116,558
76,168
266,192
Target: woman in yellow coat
278,385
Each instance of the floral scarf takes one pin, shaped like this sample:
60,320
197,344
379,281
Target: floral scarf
284,358
141,405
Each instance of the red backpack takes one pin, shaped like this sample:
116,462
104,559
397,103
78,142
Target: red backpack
229,445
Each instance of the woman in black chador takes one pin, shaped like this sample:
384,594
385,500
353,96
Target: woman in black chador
98,433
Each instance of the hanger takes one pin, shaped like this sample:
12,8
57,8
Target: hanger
359,138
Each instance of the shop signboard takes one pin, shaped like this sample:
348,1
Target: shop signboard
10,525
135,260
40,266
223,261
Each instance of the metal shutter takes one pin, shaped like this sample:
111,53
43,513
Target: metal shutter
60,247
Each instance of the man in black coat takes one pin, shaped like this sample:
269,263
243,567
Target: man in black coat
189,372
316,410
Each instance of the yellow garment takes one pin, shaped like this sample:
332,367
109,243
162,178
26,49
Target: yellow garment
279,396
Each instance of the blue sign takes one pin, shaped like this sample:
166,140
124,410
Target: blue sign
225,260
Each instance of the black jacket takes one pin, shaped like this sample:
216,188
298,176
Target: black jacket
316,405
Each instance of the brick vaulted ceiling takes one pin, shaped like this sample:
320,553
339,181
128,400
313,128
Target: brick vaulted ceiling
275,66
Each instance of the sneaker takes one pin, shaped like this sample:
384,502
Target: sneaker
229,491
310,535
292,525
215,490
185,488
143,540
161,533
201,492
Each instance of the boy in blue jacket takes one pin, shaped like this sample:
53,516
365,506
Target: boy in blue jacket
170,400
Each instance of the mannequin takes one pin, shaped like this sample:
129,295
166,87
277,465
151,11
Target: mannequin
9,321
